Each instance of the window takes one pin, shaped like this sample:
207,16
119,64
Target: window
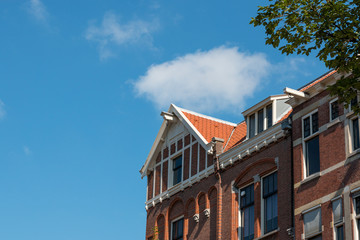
312,224
355,133
334,109
177,229
269,115
177,170
270,203
252,126
338,219
260,121
247,212
357,213
311,144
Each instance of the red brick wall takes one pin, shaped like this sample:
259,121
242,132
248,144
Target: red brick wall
202,159
206,228
194,157
150,185
157,180
186,163
332,151
165,176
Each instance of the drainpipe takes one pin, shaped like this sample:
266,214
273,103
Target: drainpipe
287,127
217,150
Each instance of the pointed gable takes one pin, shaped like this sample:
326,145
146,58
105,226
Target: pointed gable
210,127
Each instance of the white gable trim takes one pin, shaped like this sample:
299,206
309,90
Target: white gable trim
163,130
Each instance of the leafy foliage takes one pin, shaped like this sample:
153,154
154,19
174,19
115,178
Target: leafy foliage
329,27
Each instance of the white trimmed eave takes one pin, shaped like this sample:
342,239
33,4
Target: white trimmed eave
263,103
163,130
313,90
154,147
189,126
252,145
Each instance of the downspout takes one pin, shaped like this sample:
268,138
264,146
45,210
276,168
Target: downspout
286,125
217,150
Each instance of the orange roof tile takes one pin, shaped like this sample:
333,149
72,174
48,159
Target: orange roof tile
209,128
317,81
238,136
286,115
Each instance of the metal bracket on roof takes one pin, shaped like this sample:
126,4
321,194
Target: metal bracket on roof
168,116
295,93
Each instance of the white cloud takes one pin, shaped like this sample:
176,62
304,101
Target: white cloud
219,79
113,32
27,151
38,10
2,110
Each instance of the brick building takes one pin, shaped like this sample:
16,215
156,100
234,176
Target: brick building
202,170
289,171
326,164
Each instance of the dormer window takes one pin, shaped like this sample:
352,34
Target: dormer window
259,121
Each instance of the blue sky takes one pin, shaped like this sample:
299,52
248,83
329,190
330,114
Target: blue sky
82,84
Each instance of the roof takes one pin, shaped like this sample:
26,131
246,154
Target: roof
319,79
209,127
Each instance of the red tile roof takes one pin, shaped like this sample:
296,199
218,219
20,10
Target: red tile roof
238,136
317,81
208,127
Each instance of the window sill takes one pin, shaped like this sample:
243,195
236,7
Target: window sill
268,234
333,122
310,178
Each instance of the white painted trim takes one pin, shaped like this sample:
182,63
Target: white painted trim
330,113
312,135
252,145
295,93
264,103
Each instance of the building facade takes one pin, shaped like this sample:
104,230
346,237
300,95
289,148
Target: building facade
291,170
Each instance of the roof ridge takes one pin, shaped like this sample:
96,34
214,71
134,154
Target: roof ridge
208,117
323,76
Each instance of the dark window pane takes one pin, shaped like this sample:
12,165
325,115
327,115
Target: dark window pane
353,102
307,127
355,133
177,170
248,222
247,196
177,229
315,125
334,110
252,126
357,205
260,121
316,238
312,156
270,202
269,116
340,233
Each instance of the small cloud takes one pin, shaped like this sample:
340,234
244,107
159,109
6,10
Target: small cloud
2,110
218,79
27,151
112,32
38,10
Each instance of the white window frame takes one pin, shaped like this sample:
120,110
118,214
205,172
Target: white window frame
304,140
171,171
330,109
340,223
313,234
174,220
239,217
265,125
351,128
355,217
263,203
